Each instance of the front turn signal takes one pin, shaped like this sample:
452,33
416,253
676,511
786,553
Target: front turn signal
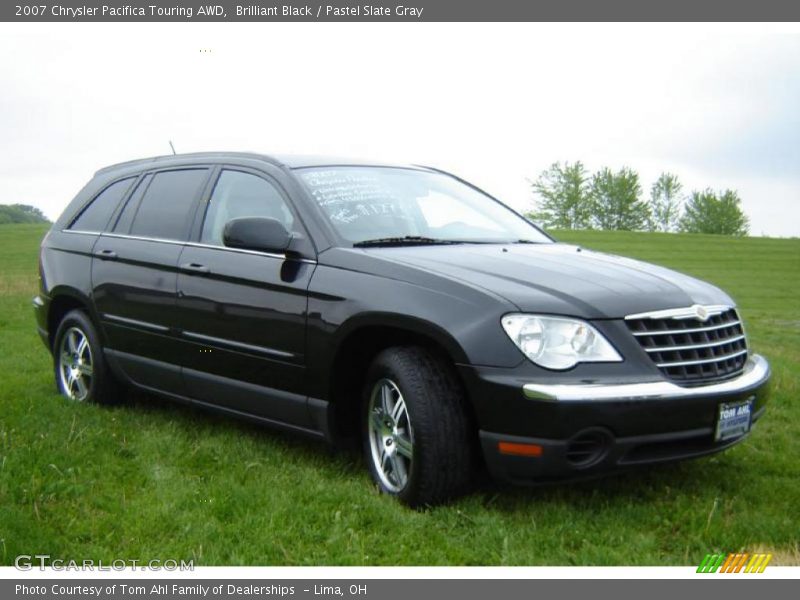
517,449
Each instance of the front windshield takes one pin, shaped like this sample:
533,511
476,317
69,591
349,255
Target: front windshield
382,203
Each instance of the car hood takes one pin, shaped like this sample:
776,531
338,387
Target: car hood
558,278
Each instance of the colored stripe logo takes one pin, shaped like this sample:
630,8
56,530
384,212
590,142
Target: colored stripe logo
734,562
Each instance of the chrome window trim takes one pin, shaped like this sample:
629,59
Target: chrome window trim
81,231
126,236
245,251
756,373
142,238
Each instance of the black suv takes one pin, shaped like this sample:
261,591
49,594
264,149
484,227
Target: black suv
398,305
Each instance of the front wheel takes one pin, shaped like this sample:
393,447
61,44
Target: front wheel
417,437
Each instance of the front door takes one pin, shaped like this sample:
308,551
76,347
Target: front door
243,313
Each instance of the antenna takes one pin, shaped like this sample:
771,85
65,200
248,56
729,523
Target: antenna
171,146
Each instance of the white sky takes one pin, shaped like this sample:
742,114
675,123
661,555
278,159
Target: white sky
719,105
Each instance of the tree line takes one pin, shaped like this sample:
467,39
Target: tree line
571,198
21,213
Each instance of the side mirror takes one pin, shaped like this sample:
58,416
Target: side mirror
256,233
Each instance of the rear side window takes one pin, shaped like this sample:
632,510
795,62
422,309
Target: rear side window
165,209
98,212
126,218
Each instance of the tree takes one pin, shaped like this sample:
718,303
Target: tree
707,212
615,200
21,213
665,203
564,195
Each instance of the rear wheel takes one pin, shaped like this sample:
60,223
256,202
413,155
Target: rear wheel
82,373
417,437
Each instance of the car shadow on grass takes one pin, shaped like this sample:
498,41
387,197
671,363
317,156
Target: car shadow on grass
656,483
192,417
642,484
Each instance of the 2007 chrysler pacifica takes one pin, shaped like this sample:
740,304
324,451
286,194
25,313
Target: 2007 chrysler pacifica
397,304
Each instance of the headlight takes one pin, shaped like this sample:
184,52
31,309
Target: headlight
558,342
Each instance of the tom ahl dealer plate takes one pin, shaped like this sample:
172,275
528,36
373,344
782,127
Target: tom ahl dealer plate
734,419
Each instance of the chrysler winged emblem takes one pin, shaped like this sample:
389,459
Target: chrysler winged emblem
701,313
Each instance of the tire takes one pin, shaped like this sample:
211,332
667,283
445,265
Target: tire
81,371
418,440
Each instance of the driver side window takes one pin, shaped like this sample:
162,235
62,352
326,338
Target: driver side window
238,194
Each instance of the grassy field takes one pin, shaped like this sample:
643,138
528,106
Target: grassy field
157,480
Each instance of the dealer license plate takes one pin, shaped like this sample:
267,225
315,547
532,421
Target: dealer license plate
734,419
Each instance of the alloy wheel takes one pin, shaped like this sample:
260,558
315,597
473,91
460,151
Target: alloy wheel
391,436
75,365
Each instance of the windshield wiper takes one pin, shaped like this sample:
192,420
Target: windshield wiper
406,240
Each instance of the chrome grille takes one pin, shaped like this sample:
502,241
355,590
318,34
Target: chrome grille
689,349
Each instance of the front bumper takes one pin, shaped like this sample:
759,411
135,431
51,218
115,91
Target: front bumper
586,429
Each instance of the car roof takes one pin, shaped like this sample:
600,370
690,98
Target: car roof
291,161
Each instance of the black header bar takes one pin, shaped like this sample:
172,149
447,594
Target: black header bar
402,10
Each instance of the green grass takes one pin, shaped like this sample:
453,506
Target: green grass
157,480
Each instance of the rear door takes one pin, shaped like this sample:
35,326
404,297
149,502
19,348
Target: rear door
67,253
134,275
244,312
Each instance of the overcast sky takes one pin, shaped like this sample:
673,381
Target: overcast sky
495,103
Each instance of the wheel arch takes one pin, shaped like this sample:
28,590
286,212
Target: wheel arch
64,299
360,340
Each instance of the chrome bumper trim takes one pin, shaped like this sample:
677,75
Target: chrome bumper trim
756,373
